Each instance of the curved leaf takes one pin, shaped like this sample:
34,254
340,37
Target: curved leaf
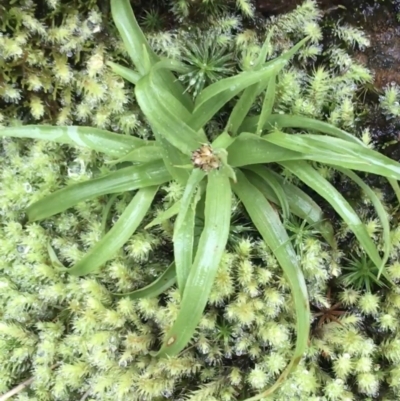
144,154
251,149
96,139
157,287
183,237
300,204
211,246
125,179
173,158
338,152
165,215
275,186
274,234
134,40
324,188
380,211
106,213
215,96
124,72
292,121
243,106
118,235
268,104
163,120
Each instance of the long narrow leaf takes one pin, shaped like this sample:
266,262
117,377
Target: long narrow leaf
118,235
134,40
215,96
274,234
139,50
176,111
208,256
324,188
267,106
251,149
338,152
125,179
157,287
183,238
163,120
173,158
124,72
165,215
106,213
144,154
96,139
291,121
243,106
276,187
246,100
300,204
380,211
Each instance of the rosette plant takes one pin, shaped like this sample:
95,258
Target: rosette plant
244,159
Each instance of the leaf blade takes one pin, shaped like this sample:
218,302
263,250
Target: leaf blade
125,179
118,235
166,280
209,253
315,181
250,149
337,152
274,234
183,238
300,204
380,211
134,40
96,139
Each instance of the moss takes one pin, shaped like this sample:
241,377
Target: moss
72,335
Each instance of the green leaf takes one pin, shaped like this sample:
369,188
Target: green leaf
163,120
183,238
215,96
156,288
96,139
380,211
143,154
337,152
291,121
165,215
243,106
125,179
172,158
124,72
134,40
320,185
267,106
395,186
251,149
248,97
174,107
208,256
274,234
264,50
106,213
118,235
276,187
300,204
171,65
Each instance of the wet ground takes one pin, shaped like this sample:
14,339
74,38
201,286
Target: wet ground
378,18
